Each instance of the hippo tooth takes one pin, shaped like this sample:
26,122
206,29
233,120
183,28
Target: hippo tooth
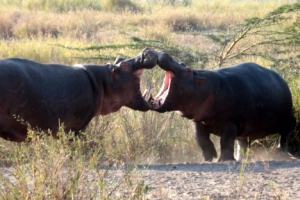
145,93
165,94
160,98
150,99
165,85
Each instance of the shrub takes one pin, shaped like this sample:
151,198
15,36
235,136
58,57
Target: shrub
49,168
182,21
120,5
6,25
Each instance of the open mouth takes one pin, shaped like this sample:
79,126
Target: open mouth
138,74
146,95
160,98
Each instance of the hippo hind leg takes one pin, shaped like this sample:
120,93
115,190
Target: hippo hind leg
228,135
286,131
202,136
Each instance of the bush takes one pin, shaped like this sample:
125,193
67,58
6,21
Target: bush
120,5
6,25
182,21
49,168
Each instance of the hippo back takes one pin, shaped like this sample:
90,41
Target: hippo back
257,98
44,95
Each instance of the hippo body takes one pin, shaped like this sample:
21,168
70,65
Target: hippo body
243,102
44,96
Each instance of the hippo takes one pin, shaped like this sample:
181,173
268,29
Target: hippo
243,102
44,96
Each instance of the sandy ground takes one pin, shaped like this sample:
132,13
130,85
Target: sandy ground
227,180
274,179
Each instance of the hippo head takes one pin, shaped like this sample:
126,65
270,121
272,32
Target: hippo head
124,88
178,85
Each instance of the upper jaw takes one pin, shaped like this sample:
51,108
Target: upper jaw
167,63
147,59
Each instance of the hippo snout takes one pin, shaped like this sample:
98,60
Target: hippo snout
149,57
164,60
167,63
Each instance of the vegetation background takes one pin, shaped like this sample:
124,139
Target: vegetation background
205,34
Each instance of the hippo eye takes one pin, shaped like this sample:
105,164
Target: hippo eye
189,71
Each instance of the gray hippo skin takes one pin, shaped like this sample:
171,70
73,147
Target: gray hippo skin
47,95
242,102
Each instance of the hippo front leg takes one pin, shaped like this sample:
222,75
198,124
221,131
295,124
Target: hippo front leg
228,135
202,136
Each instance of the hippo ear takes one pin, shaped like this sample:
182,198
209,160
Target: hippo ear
189,71
119,68
183,65
114,73
118,60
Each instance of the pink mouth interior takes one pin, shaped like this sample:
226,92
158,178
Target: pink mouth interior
160,98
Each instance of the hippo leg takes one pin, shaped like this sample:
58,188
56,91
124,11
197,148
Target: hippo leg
282,142
287,129
14,132
228,135
13,128
202,136
283,138
242,148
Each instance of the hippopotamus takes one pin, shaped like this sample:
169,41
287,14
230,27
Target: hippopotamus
243,102
45,96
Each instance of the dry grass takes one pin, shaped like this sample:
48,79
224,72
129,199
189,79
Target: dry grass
86,23
34,35
52,169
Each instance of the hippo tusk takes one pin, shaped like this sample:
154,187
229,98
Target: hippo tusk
145,94
148,97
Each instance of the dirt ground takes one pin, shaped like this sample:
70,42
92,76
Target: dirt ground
272,179
264,179
233,180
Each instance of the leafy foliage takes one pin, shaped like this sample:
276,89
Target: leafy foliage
274,38
188,56
278,32
119,5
